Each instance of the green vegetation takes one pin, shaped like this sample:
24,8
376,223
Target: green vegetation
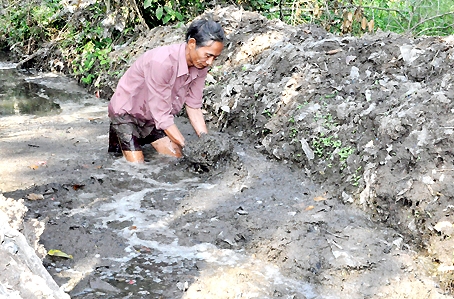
417,17
94,51
327,146
356,177
330,147
267,113
27,23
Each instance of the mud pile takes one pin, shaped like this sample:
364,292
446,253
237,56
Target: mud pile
209,151
370,118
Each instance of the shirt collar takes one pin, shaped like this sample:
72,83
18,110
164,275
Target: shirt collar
183,64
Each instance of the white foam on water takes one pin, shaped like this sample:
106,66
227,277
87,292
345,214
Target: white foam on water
140,171
155,225
151,228
7,65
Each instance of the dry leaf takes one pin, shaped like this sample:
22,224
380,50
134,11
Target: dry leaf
34,196
319,198
56,252
332,52
34,166
317,12
364,23
77,186
309,208
133,227
358,13
370,25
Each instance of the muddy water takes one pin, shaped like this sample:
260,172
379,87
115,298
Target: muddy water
30,93
157,262
248,228
120,225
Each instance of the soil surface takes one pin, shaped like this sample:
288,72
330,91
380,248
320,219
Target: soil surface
332,179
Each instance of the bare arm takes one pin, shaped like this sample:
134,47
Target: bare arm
197,120
175,135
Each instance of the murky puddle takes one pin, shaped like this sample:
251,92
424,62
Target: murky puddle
27,92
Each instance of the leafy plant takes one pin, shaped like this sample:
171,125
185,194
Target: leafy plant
356,177
267,113
330,147
325,145
28,23
167,13
162,12
293,132
344,153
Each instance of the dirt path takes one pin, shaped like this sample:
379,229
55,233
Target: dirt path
252,228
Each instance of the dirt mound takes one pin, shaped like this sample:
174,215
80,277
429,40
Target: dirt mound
370,118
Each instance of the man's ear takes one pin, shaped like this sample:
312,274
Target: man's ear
192,43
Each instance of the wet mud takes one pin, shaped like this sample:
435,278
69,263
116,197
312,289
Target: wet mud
209,151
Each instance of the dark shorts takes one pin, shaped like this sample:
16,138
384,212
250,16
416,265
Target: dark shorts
127,133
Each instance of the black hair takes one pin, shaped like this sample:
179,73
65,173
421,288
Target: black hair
204,31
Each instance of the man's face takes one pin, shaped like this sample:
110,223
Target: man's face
203,56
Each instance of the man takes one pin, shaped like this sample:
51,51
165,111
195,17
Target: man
156,87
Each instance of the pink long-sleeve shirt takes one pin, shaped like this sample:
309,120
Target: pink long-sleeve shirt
157,85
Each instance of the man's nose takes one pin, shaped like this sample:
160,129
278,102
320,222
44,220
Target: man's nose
210,60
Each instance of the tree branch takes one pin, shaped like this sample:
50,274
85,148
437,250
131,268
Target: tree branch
139,15
433,28
431,18
44,49
384,9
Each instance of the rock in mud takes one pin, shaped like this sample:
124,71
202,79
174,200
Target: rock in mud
24,275
209,149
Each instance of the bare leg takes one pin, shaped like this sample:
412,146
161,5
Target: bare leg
167,147
134,156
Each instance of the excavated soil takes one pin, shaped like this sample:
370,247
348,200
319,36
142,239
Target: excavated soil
333,177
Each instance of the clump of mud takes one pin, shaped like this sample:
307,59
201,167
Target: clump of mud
209,151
